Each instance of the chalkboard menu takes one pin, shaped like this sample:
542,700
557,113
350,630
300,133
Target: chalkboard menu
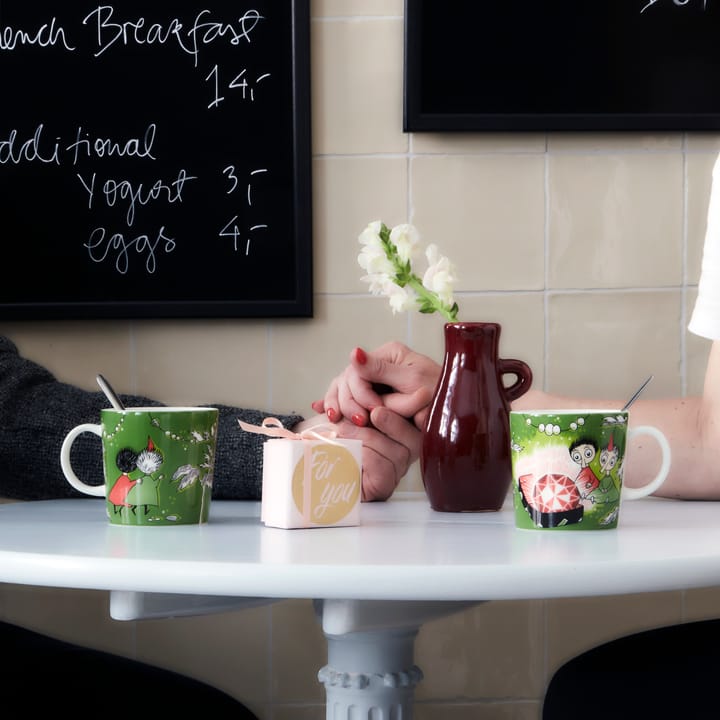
562,65
155,159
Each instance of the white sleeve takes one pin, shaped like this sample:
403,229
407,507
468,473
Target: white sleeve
705,320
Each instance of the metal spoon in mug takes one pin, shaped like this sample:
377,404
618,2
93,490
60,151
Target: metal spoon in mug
110,394
637,393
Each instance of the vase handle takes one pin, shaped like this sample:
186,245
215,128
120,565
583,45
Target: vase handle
523,374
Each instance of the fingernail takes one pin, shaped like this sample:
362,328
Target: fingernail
332,414
317,406
360,356
372,416
359,420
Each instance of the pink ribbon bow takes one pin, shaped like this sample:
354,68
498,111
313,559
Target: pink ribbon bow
272,427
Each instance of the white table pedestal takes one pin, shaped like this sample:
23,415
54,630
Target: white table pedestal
371,675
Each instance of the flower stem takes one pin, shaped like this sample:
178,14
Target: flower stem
429,302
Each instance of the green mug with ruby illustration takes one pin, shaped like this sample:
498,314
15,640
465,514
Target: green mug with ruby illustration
568,467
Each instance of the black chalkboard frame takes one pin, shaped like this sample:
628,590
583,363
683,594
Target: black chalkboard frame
297,302
424,111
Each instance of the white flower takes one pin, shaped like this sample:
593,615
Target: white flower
374,261
378,282
440,275
373,257
405,238
387,257
401,298
371,234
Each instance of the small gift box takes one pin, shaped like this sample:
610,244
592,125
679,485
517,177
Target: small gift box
310,479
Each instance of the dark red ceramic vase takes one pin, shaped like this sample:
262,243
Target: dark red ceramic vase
465,456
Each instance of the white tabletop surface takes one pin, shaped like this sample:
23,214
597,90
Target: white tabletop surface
403,550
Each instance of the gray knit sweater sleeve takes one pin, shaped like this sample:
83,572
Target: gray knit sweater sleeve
37,411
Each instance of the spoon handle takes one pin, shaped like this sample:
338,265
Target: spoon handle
110,394
637,392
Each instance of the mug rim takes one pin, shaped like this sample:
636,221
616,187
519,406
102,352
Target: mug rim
161,408
571,411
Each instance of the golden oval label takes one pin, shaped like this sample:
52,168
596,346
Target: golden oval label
334,484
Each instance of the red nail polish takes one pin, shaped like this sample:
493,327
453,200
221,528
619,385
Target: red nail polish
332,414
359,420
361,356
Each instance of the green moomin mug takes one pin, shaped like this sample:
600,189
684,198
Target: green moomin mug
158,464
568,465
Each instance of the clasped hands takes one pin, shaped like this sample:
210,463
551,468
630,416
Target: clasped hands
381,398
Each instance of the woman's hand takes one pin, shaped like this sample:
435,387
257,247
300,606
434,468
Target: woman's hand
393,376
390,445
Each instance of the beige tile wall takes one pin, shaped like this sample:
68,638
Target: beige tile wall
586,247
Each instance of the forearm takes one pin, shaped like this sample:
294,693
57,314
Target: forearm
37,411
690,426
239,457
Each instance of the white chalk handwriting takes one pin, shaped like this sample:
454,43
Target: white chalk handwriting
37,147
134,194
250,186
232,177
202,31
109,32
103,245
231,229
139,147
47,35
239,82
130,184
15,150
677,3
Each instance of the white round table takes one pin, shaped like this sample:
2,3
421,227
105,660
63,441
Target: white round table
374,584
